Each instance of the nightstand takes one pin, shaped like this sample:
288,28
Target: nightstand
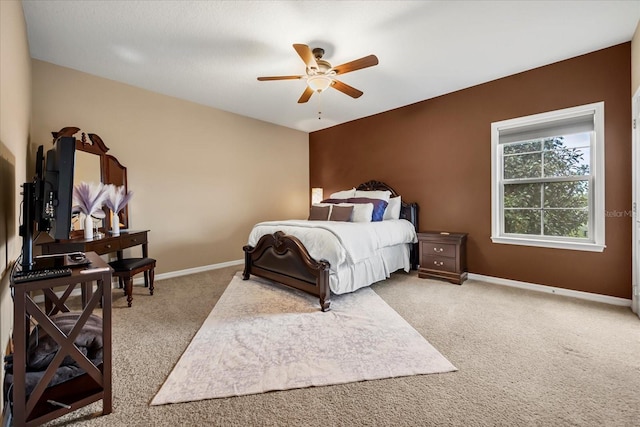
443,255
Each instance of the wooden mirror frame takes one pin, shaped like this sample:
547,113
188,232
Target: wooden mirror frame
111,170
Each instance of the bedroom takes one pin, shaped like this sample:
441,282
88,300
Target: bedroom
211,235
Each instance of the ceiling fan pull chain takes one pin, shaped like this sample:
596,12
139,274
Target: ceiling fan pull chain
319,105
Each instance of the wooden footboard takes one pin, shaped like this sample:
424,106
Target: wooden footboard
284,259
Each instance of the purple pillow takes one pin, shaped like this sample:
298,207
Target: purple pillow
379,206
334,201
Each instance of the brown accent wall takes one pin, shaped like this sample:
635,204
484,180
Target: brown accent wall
438,153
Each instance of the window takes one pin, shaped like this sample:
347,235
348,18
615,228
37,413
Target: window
548,179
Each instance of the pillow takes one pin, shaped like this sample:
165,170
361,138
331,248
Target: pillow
374,194
319,213
332,201
341,213
345,194
362,212
379,206
393,208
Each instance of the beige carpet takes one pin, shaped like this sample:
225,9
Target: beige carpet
525,359
263,337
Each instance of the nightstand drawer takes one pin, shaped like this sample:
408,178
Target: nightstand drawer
439,249
439,263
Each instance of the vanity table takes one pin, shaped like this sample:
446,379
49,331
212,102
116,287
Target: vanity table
106,245
94,164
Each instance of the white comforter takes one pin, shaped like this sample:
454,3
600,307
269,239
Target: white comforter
344,244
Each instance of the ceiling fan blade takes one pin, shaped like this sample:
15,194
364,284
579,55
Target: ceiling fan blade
306,55
358,64
346,89
264,79
305,95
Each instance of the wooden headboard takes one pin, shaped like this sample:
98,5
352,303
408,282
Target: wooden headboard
409,211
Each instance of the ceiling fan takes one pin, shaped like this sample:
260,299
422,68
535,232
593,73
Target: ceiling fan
321,75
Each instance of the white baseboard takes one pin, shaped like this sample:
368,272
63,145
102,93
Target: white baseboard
552,290
169,275
194,270
495,280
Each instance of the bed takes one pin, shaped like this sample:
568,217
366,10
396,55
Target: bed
323,256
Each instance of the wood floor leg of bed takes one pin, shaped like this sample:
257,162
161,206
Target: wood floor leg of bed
324,291
325,305
247,262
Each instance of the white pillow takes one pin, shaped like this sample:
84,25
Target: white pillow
362,212
345,194
376,194
393,208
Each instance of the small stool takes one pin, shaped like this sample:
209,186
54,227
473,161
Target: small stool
125,269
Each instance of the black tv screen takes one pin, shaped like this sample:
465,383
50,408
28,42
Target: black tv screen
55,210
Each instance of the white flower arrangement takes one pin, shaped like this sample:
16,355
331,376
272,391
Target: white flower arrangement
117,197
88,198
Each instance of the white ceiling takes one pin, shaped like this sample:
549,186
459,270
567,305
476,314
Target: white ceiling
211,52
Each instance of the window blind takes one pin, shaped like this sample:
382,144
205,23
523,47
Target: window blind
546,129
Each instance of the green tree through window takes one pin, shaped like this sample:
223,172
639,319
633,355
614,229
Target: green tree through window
546,186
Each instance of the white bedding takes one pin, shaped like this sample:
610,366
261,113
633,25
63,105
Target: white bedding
359,253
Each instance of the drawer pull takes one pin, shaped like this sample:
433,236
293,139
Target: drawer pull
438,263
134,240
108,246
438,250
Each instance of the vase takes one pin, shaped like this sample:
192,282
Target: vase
115,224
88,227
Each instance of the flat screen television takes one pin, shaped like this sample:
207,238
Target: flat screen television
47,200
58,188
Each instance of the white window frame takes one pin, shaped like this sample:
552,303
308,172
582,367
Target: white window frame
596,242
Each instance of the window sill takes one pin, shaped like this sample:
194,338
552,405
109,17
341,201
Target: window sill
575,246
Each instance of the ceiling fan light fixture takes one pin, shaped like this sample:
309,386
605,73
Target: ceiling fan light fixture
319,82
321,75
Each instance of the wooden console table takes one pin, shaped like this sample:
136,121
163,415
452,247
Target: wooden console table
102,246
95,383
105,245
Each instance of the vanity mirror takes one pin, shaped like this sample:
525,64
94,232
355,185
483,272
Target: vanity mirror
93,164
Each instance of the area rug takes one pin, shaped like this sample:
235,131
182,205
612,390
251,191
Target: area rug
263,337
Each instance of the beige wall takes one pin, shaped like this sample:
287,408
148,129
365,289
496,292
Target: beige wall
201,177
635,61
15,96
198,174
